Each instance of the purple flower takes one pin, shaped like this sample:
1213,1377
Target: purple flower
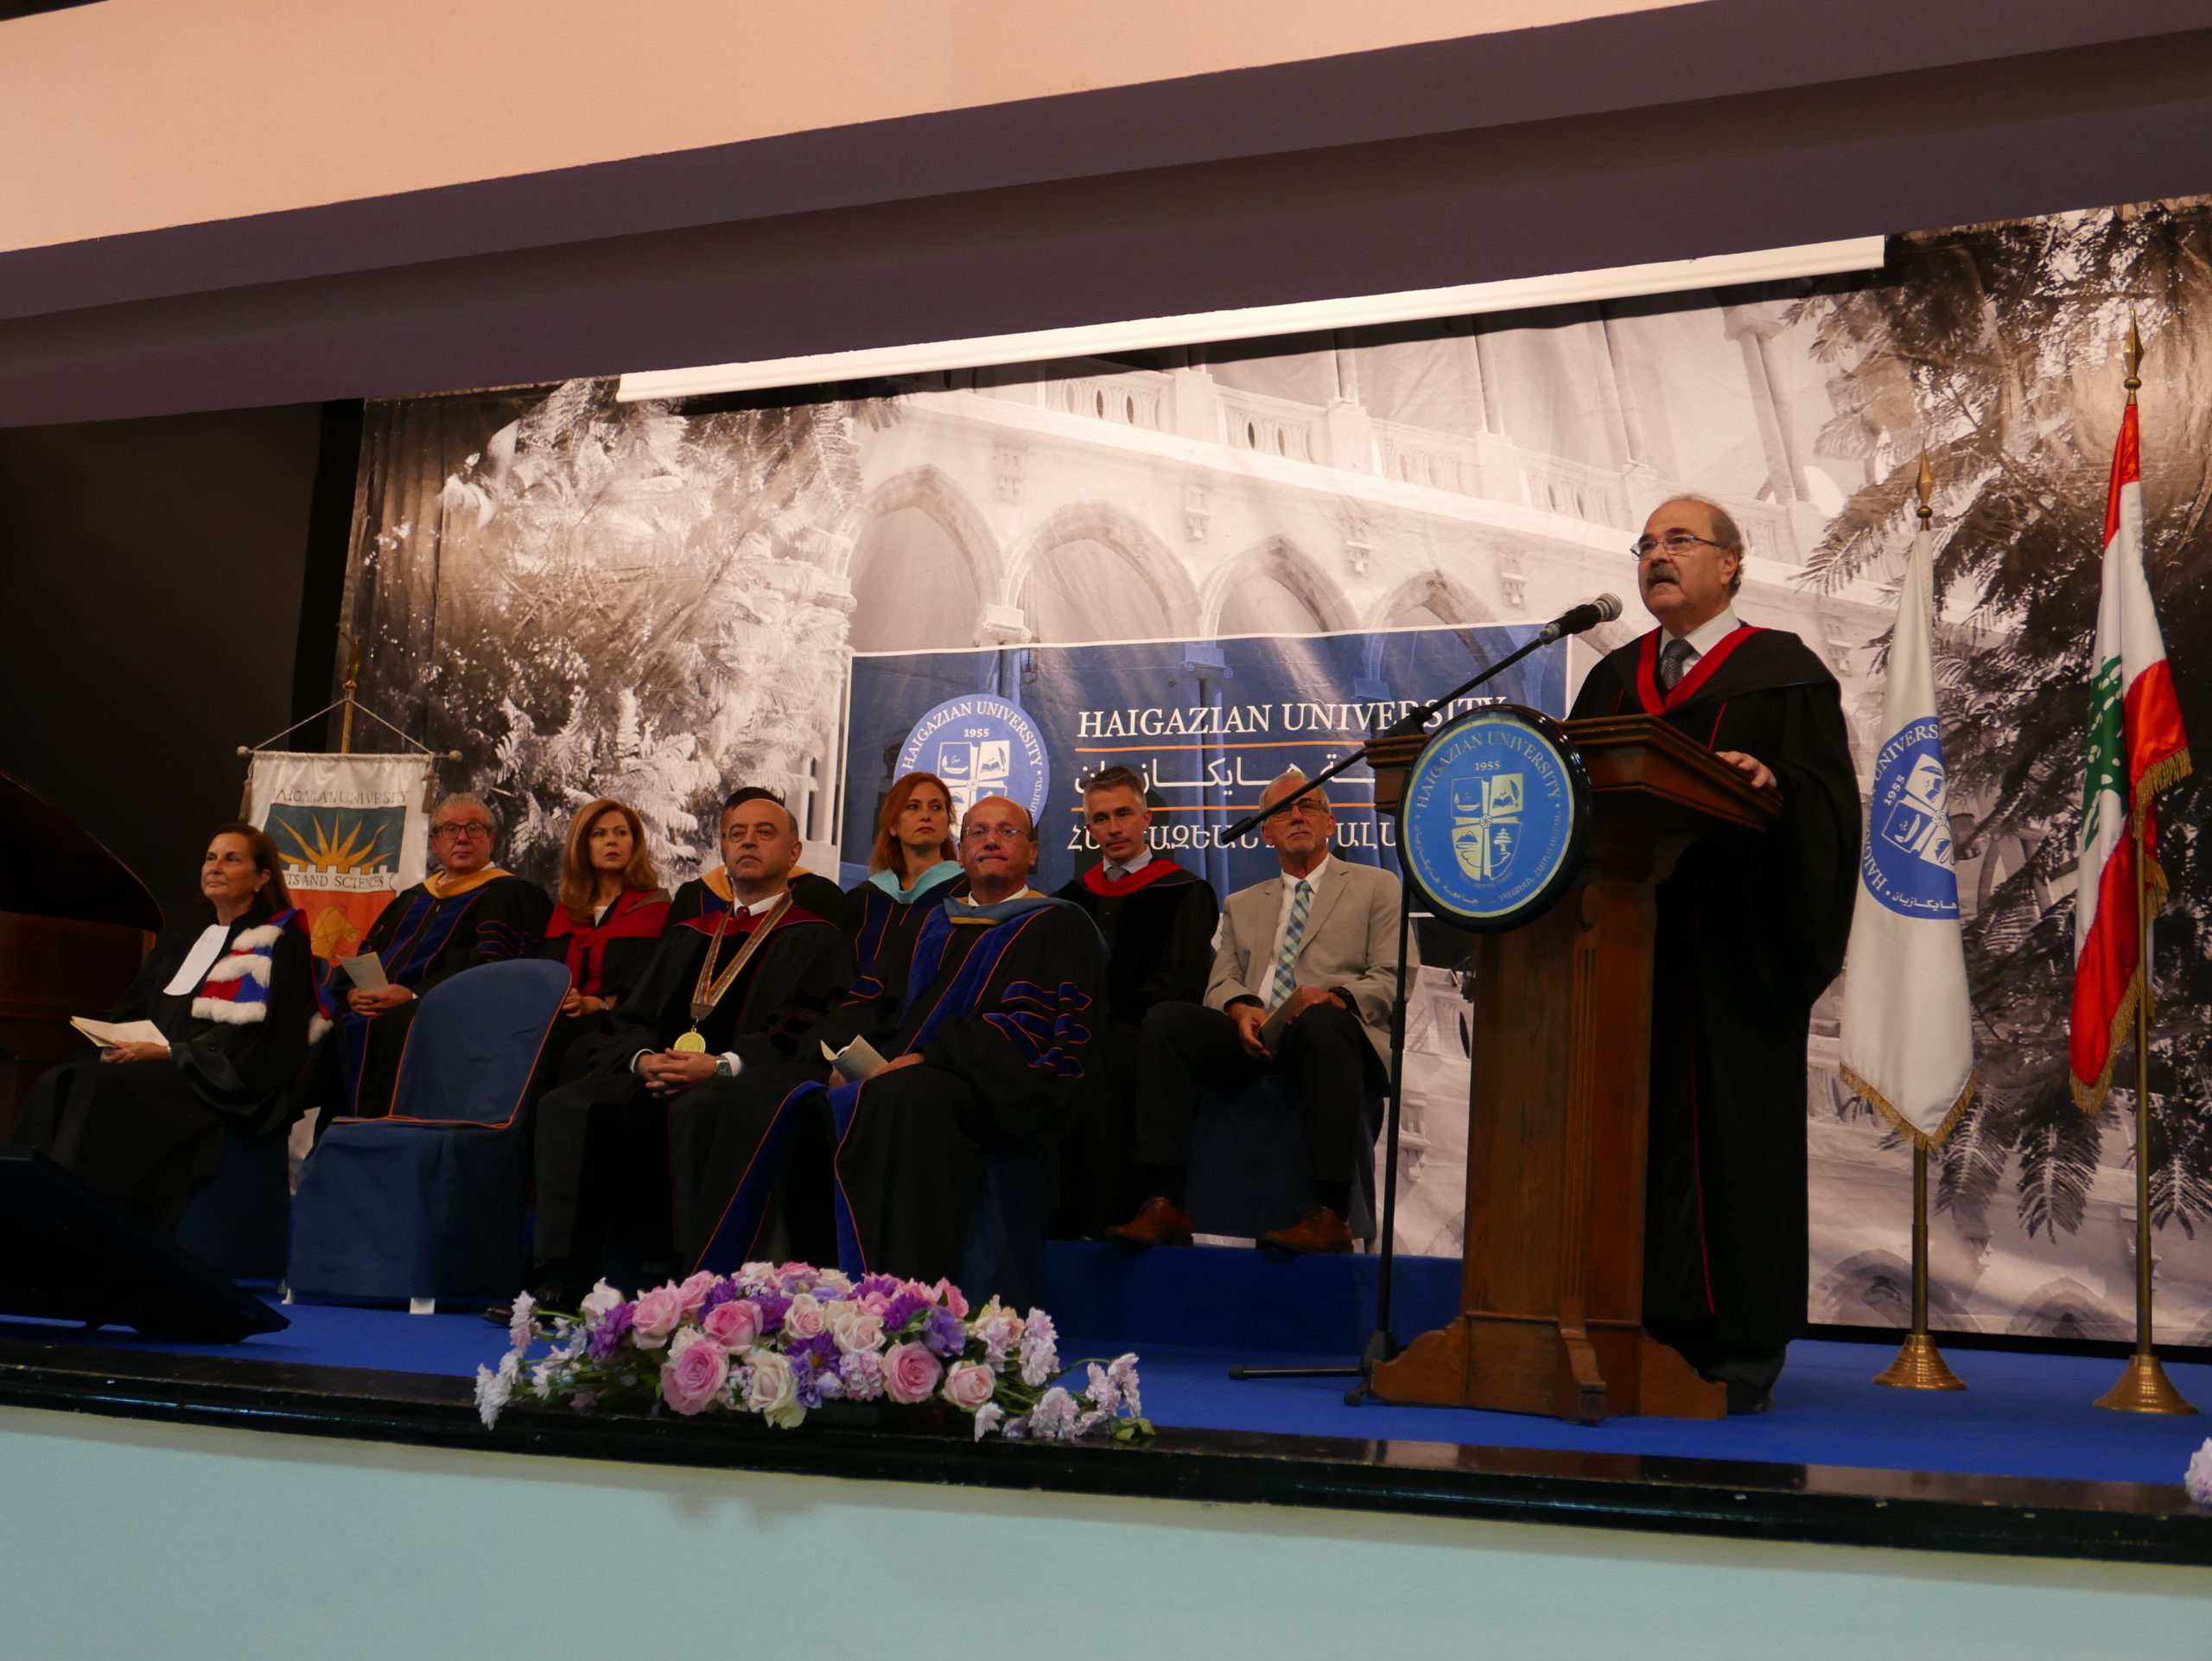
862,1373
609,1330
878,1285
772,1309
903,1308
814,1368
945,1333
724,1291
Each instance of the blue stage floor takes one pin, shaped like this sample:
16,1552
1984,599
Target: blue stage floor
2022,1415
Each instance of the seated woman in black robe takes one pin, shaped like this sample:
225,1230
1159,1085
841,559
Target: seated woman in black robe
709,892
610,915
232,992
911,869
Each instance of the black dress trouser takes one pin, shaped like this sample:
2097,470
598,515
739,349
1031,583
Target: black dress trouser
1184,1047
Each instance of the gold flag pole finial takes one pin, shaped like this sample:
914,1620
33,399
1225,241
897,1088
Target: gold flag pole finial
1927,486
2134,354
352,686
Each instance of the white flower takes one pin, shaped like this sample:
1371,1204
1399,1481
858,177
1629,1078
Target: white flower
1105,1394
601,1298
771,1392
521,1328
987,1419
1124,1372
493,1388
1053,1417
1041,1354
2198,1478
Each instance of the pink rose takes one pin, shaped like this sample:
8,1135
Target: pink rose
658,1314
910,1374
951,1297
794,1278
970,1384
874,1302
855,1329
691,1381
694,1292
1000,1330
916,1290
771,1391
601,1298
804,1318
735,1325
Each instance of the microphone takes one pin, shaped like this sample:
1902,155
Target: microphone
1575,618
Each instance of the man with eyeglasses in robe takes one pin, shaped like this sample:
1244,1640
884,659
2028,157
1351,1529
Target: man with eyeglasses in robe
1751,929
467,912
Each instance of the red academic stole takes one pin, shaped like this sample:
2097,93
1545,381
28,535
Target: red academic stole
637,915
1656,702
1095,880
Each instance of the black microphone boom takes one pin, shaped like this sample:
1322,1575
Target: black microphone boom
1603,609
1575,618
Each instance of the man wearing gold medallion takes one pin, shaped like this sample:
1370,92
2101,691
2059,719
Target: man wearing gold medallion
726,992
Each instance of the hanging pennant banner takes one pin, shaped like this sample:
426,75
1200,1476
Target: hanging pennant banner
352,831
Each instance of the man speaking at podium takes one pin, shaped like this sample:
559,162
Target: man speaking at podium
1751,930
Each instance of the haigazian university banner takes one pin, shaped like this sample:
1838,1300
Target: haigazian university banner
351,831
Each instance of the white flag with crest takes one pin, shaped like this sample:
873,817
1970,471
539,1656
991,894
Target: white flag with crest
1907,1040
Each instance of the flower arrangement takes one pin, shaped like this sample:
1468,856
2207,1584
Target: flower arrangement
2197,1479
780,1340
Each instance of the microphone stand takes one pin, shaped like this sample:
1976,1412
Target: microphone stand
1382,1344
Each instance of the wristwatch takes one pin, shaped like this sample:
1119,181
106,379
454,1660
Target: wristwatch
723,1068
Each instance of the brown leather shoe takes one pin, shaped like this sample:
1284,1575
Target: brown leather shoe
1320,1230
1159,1221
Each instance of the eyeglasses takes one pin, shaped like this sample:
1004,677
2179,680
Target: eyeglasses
1674,542
994,833
473,827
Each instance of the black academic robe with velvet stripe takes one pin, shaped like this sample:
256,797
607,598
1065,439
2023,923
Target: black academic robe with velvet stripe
708,893
884,925
603,1154
606,959
1751,930
144,1133
1002,1013
1158,927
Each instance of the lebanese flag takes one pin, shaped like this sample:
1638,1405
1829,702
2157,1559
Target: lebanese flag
2137,748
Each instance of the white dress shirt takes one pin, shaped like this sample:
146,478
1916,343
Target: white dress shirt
1115,873
1313,879
1706,636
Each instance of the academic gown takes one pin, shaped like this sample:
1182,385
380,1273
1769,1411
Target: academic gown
424,936
602,1145
709,892
1751,928
1159,926
605,959
145,1134
884,923
1000,1003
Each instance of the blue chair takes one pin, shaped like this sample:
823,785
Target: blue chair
1248,1172
427,1204
236,1221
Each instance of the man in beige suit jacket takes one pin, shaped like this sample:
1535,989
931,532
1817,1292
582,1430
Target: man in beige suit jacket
1317,945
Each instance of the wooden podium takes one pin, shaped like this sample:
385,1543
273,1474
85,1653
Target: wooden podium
1552,1281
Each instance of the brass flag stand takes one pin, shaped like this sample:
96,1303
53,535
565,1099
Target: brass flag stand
1919,1364
2144,1387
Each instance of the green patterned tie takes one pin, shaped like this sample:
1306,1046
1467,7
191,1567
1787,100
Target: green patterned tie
1286,959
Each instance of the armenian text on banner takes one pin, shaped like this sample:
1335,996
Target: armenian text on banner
1205,723
351,831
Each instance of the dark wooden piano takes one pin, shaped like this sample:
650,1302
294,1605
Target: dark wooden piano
74,926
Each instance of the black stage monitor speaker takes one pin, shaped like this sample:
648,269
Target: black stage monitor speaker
66,1254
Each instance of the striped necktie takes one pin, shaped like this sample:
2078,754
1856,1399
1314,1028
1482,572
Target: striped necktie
1286,980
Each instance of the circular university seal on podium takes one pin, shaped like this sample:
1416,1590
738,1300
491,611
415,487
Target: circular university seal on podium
980,745
1495,809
